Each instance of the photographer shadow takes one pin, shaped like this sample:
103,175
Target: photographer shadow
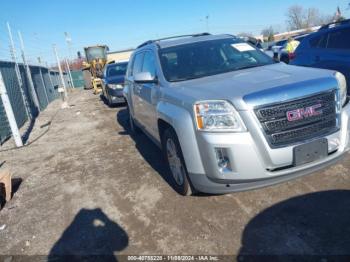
92,236
311,227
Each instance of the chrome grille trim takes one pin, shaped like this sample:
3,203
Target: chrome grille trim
280,132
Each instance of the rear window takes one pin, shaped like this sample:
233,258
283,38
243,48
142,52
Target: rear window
339,39
336,39
117,69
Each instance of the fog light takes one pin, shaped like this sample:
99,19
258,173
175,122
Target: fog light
222,159
223,162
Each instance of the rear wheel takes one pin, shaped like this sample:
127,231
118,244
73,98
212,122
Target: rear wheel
285,59
176,164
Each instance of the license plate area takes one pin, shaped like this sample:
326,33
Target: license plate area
310,152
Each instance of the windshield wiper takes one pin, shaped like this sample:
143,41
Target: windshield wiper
250,66
187,78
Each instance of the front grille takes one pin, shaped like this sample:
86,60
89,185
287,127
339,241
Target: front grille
280,132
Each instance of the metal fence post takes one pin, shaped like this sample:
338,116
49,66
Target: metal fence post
70,75
52,85
60,71
18,74
44,86
29,75
9,113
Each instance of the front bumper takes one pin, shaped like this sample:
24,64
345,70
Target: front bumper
253,164
116,95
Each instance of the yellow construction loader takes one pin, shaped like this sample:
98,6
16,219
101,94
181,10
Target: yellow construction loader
96,59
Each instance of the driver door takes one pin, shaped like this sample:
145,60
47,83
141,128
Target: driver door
148,94
135,87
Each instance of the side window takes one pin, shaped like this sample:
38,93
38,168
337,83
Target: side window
319,41
339,39
137,65
149,64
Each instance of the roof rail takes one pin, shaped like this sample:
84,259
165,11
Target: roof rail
334,24
145,43
171,37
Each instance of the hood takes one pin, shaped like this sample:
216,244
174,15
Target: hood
261,85
115,80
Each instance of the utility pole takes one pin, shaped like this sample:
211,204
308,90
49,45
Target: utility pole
29,75
18,73
69,73
69,44
9,113
40,57
65,96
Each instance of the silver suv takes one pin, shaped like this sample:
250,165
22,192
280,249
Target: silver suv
228,118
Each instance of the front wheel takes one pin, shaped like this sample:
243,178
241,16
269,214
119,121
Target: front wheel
176,164
109,100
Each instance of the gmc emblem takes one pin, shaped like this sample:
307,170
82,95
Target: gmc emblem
302,113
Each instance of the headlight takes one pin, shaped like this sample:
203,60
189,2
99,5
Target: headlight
115,86
342,86
217,116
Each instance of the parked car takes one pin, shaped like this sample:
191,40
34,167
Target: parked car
113,82
328,48
279,52
274,49
255,42
229,118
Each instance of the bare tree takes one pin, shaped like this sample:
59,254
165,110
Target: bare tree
268,33
295,17
245,34
325,19
312,17
300,18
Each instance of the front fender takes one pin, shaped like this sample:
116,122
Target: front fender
126,92
181,120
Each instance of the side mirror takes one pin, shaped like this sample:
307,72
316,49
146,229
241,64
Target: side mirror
145,78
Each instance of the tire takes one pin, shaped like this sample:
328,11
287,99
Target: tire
285,59
135,130
173,155
109,100
87,79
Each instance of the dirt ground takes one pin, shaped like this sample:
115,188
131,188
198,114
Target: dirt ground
88,187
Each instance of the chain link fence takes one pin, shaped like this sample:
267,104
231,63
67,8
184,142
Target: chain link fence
46,84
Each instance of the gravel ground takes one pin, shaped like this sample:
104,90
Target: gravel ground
88,187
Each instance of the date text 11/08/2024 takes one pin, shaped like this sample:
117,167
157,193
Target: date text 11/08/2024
174,258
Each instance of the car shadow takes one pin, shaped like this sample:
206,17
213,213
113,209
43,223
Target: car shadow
92,236
149,151
311,227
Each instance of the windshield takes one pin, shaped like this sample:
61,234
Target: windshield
95,53
117,69
202,59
